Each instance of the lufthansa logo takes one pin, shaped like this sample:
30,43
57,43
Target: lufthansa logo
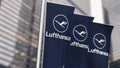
99,40
80,33
60,23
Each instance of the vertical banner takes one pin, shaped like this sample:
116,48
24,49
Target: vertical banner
74,41
56,34
80,29
100,47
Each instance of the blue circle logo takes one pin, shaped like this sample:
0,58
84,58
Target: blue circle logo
99,40
60,23
80,33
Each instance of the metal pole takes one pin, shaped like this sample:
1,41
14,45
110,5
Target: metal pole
41,30
97,10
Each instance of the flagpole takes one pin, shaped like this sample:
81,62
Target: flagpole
41,30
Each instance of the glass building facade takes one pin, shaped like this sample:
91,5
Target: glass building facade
19,29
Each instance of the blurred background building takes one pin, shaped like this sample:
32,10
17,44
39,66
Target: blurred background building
19,28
